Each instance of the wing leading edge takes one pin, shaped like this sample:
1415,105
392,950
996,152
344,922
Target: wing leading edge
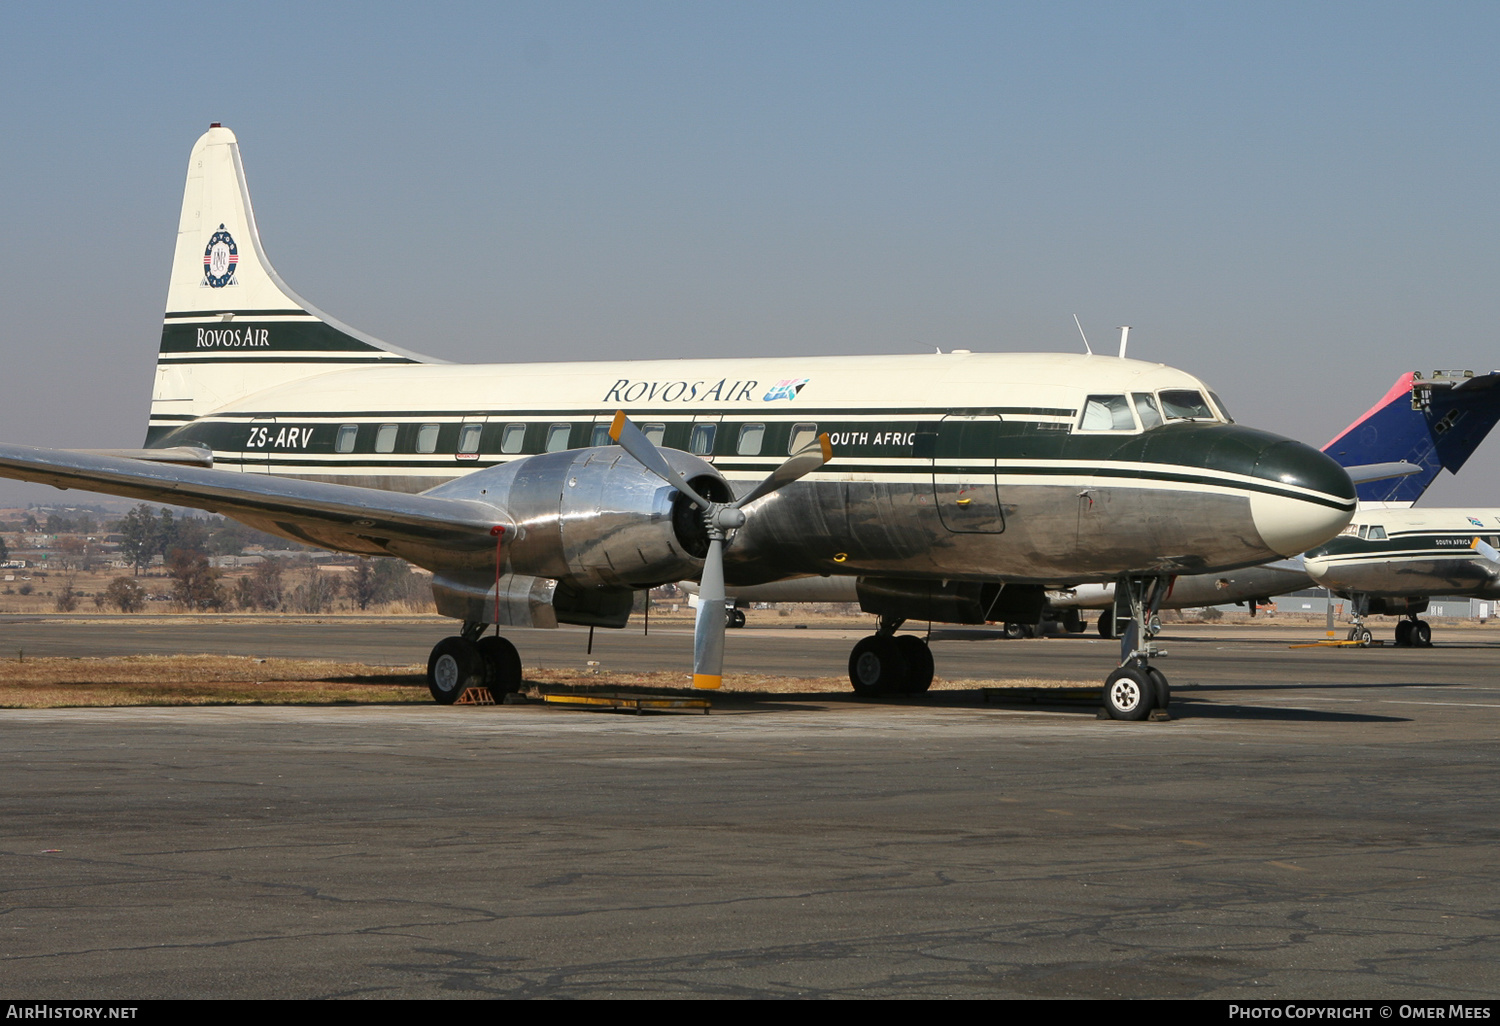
432,532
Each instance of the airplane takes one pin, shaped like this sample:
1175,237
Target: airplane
956,486
1392,561
1393,452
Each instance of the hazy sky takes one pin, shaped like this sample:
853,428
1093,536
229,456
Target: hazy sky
1297,202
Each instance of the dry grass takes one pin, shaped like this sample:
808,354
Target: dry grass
203,680
51,683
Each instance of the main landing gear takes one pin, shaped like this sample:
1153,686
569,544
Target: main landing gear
467,660
889,664
1410,632
1137,688
1414,633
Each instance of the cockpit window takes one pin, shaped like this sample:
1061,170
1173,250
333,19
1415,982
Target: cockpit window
1185,404
1223,410
1107,413
1145,408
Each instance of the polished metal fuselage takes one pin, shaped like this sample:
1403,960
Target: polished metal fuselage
596,517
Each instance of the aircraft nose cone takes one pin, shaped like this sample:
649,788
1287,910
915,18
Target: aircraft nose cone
1310,501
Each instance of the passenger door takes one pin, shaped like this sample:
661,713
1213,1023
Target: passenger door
964,486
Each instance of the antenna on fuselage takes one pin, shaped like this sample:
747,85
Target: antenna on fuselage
1124,338
1086,347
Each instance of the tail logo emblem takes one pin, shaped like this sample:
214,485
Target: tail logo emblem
220,259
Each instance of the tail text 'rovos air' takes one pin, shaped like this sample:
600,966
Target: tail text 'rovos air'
954,486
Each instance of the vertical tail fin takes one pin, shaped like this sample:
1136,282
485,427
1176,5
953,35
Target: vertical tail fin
232,326
1436,424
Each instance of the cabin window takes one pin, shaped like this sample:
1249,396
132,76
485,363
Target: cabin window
1107,413
600,435
513,438
654,432
468,438
751,437
1145,408
385,438
1377,533
427,436
557,437
803,435
1364,531
701,443
1185,404
347,434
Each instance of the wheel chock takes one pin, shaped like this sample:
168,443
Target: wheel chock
475,696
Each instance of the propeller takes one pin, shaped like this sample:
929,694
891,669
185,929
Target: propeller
719,518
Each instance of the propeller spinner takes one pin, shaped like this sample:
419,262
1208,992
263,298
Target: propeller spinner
719,518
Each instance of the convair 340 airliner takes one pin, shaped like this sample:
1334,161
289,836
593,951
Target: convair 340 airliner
955,487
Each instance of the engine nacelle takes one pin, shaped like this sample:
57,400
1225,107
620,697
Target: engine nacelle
595,517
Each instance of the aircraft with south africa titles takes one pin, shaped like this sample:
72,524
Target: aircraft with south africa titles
953,487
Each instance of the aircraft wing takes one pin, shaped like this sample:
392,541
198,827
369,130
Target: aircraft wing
423,529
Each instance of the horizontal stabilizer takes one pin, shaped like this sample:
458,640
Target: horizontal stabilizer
1381,471
433,532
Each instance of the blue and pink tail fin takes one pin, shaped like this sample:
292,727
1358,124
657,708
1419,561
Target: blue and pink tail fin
1435,423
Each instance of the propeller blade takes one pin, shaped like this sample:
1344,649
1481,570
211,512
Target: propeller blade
1485,549
801,463
708,628
634,441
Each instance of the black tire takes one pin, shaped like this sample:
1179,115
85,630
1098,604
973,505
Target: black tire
1016,631
1363,636
1128,694
736,618
1075,626
1403,634
502,664
1161,690
454,666
1107,624
918,662
878,666
1421,634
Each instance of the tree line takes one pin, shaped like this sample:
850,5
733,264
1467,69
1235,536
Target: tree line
185,545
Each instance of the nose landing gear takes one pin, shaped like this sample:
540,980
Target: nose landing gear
1137,689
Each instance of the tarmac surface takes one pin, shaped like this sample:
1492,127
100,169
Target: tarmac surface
1313,823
